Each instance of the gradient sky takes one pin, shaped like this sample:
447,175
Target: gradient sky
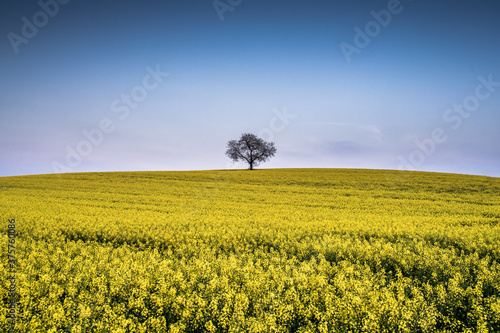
414,95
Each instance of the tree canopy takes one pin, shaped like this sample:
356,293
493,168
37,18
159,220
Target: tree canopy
251,149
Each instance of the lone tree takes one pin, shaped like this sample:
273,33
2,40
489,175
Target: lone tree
251,149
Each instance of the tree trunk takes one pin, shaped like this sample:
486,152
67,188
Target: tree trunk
251,165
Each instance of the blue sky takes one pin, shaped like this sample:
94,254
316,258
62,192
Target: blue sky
163,85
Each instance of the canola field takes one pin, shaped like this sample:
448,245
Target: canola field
277,250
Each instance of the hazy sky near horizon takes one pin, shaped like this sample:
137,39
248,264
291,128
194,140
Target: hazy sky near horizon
163,85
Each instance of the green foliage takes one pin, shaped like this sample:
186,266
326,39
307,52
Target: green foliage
294,250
